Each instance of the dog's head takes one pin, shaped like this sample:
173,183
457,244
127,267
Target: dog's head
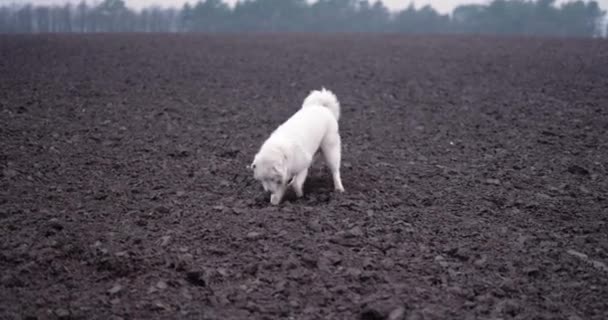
271,171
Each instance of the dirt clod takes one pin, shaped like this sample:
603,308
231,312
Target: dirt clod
578,170
62,313
196,278
115,289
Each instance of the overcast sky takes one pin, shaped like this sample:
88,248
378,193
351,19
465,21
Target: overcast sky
444,6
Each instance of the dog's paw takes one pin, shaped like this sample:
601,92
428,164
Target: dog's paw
274,200
340,189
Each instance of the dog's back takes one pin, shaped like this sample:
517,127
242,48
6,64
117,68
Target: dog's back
317,119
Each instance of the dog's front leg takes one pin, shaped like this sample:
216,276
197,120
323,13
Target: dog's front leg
298,183
276,197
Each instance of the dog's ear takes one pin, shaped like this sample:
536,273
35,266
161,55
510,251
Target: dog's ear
277,168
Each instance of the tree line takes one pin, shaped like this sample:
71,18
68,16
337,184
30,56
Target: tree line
521,17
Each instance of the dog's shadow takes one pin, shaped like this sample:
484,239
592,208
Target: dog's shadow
315,188
318,187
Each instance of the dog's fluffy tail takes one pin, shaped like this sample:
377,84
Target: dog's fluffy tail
323,98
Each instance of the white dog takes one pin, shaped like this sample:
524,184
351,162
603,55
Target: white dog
286,155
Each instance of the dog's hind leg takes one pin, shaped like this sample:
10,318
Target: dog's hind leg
332,152
298,183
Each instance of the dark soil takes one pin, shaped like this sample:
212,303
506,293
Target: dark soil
475,175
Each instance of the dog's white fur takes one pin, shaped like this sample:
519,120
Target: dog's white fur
289,151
